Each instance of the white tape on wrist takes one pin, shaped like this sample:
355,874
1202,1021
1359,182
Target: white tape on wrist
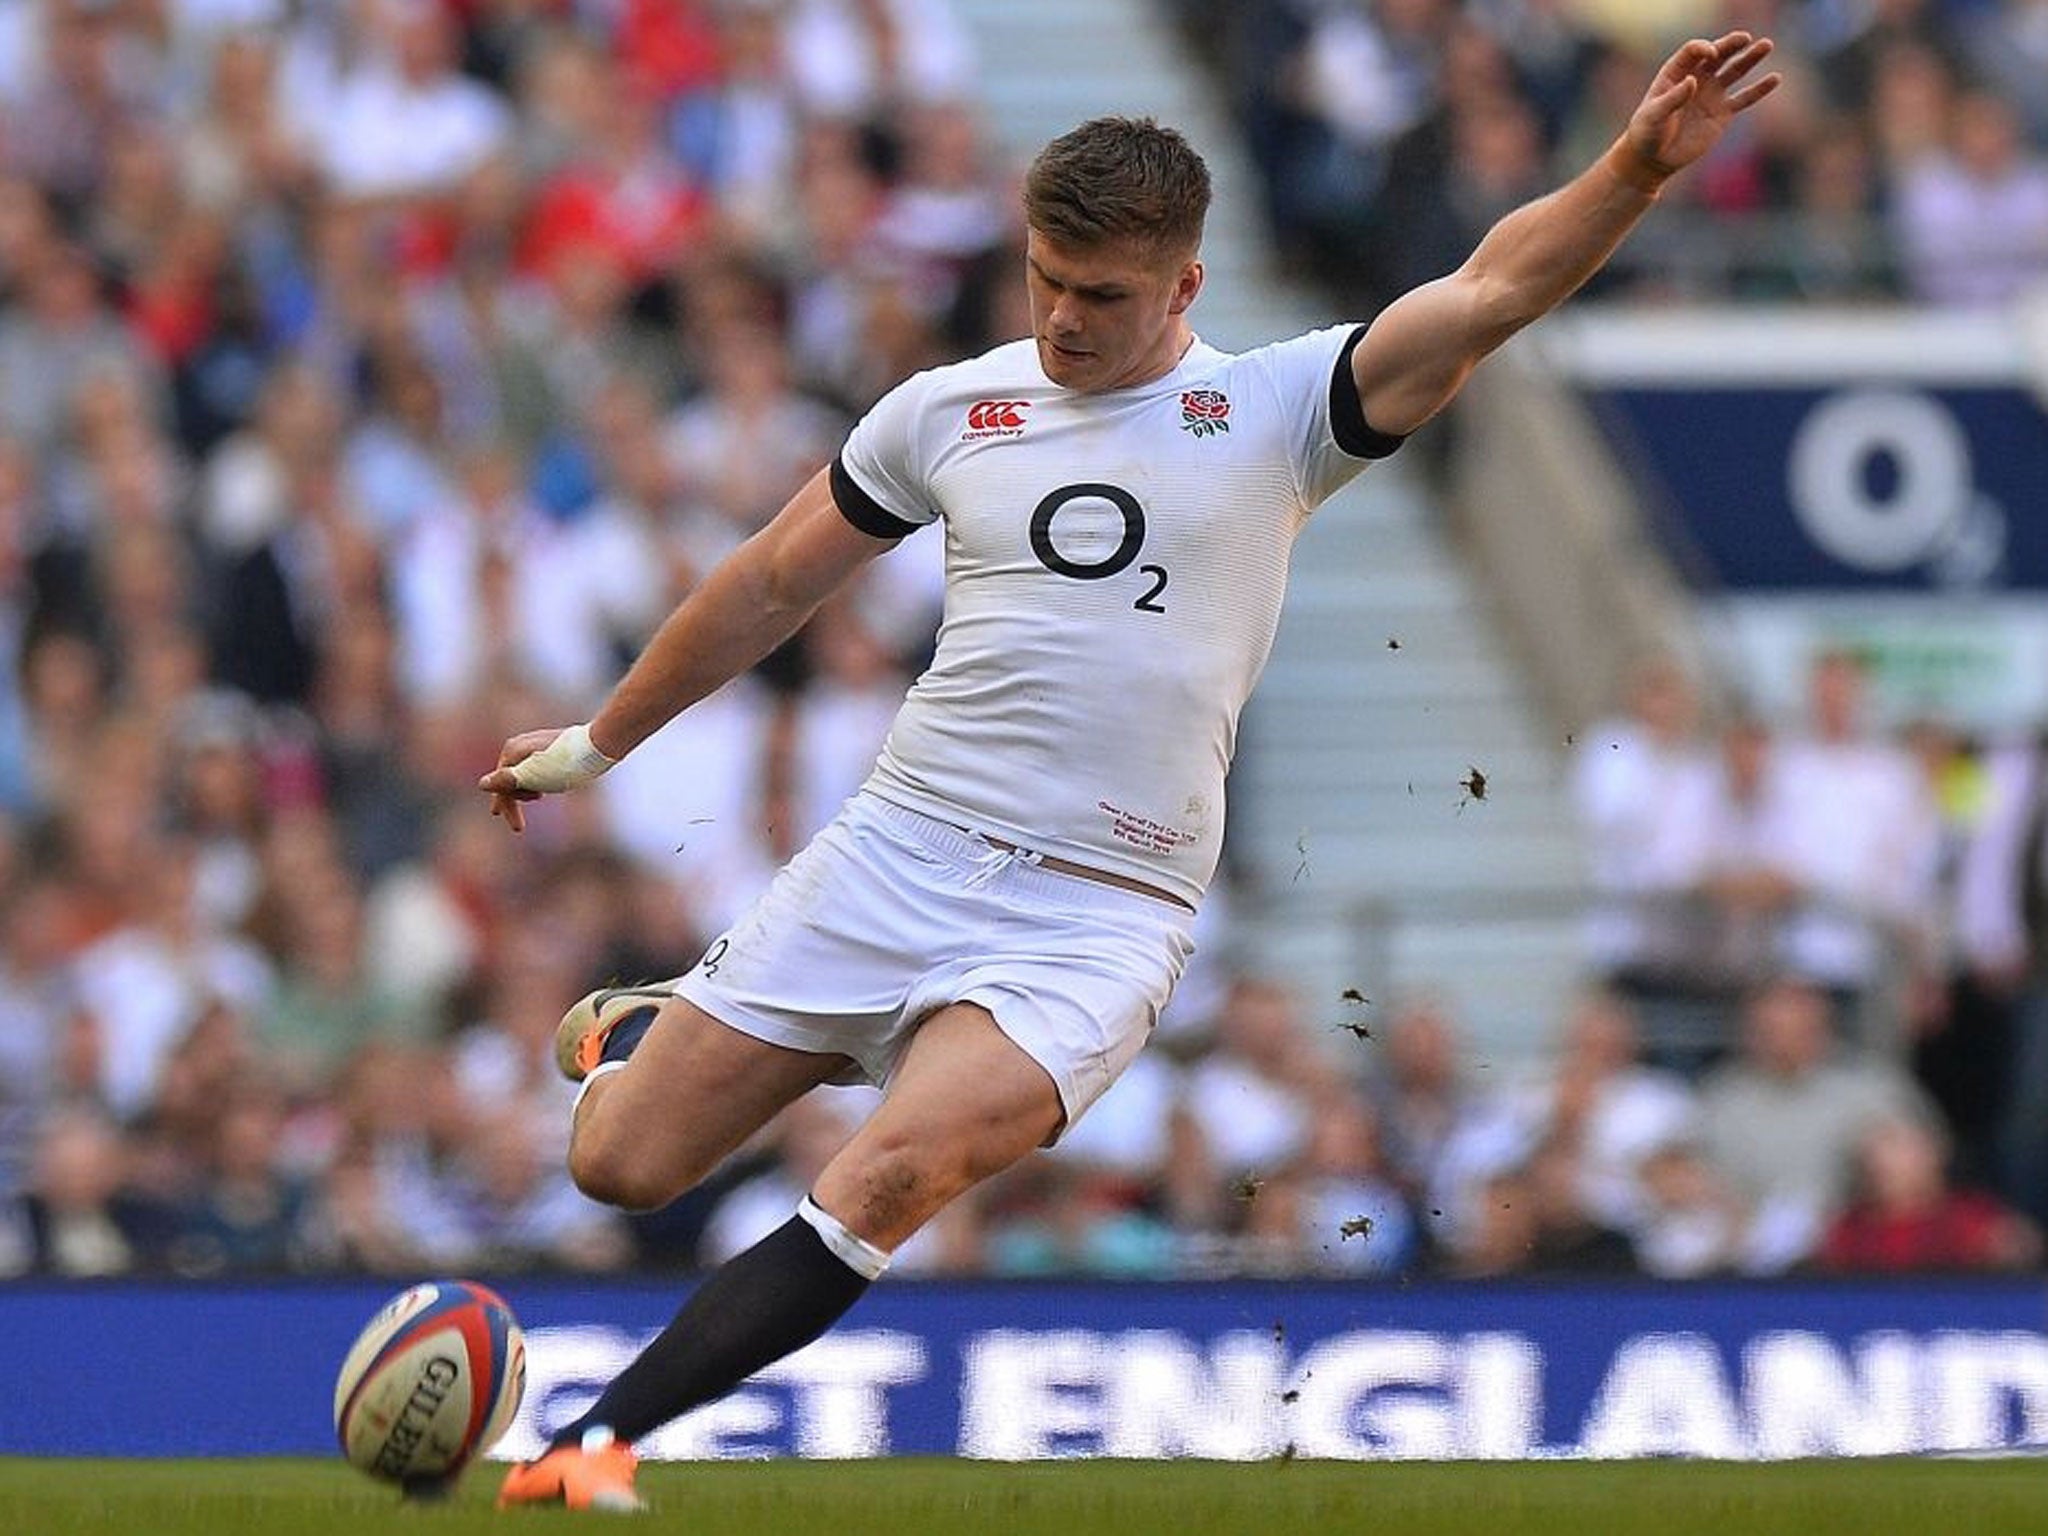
567,762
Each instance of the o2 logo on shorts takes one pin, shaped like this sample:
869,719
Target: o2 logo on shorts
1132,512
713,957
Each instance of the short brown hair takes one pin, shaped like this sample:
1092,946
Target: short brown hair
1119,178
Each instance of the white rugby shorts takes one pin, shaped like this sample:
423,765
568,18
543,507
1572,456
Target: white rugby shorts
888,916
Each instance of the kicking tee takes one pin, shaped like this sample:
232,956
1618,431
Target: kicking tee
1115,565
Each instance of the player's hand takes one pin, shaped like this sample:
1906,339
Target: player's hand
1696,95
536,763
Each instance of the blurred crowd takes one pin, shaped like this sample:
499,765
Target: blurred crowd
374,376
1906,155
1279,1135
1894,874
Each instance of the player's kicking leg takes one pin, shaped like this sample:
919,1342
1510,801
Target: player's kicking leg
964,1104
661,1107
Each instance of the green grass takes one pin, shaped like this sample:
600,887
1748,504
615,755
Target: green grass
957,1498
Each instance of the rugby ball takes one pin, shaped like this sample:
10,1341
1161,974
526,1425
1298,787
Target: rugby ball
432,1382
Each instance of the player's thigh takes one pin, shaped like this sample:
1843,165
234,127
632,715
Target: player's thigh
965,1103
692,1091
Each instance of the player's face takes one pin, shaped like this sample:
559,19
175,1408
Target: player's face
1110,316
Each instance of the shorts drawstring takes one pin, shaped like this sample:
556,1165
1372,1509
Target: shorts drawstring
996,859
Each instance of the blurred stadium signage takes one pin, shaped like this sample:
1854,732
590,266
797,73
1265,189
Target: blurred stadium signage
1875,480
1024,1371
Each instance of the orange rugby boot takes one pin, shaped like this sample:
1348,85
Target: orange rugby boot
597,1474
580,1037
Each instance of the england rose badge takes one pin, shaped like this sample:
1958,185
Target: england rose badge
1204,412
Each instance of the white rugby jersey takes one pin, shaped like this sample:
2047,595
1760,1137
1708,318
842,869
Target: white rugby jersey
1115,565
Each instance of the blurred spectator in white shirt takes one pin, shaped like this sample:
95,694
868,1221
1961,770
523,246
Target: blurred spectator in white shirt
490,586
395,463
216,797
82,1219
1863,842
1611,1112
1690,1226
1369,71
682,804
843,713
858,58
750,439
1738,841
947,211
403,121
1972,223
1638,782
239,153
743,134
430,924
148,982
1250,1097
1129,1130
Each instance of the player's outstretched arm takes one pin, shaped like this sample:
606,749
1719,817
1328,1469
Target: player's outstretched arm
1423,346
750,603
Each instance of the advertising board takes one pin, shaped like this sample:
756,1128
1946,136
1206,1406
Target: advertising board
1049,1369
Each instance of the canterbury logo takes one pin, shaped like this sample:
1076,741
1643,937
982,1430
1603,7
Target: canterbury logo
996,418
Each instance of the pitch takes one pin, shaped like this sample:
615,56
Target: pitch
949,1498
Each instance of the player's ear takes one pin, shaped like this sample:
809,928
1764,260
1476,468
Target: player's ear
1185,287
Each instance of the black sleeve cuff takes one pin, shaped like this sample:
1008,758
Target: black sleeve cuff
862,510
1354,434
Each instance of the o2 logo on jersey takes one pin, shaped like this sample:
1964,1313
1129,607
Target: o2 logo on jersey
1096,530
995,418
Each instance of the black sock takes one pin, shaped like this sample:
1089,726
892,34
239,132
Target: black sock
626,1034
759,1306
